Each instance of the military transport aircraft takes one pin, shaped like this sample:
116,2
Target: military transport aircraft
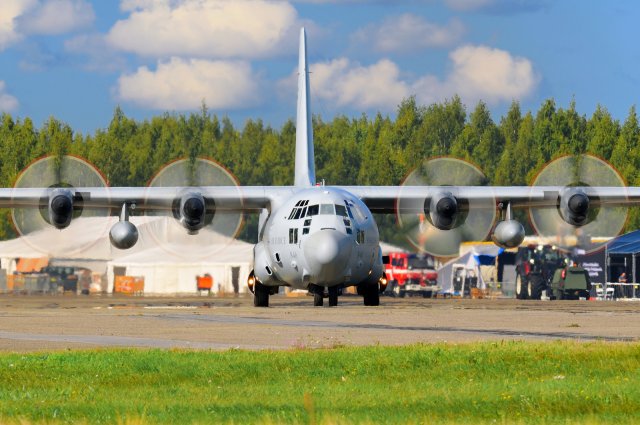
324,238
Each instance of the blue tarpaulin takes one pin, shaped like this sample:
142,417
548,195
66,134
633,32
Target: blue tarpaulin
626,244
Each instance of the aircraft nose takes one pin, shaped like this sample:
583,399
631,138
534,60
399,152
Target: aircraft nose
327,253
325,246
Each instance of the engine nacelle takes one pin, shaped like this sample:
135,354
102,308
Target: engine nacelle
193,212
573,206
508,234
123,235
60,208
262,267
443,211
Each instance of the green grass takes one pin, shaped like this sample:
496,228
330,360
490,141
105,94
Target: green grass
505,382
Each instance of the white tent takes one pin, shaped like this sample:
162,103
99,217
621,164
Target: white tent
169,271
85,243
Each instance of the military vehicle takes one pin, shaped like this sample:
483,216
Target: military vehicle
570,283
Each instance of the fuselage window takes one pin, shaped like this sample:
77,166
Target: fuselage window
341,210
293,236
312,210
360,237
327,209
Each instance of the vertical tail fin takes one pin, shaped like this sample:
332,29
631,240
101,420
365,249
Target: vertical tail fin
305,173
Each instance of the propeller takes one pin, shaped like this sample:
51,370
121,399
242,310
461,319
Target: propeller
441,222
198,228
60,204
578,216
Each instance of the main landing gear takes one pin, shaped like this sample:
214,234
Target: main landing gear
370,294
260,292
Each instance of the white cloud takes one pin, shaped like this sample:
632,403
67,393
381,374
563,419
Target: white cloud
405,33
8,103
180,84
9,11
203,28
349,84
23,17
477,73
481,73
56,17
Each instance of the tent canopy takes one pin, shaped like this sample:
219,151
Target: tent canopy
625,244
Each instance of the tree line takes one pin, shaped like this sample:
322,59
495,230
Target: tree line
377,150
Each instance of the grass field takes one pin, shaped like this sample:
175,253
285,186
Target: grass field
505,382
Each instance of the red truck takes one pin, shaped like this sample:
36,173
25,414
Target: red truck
411,274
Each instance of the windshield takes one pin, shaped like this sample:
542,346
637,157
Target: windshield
421,262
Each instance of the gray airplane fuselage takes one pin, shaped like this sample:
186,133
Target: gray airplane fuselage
321,235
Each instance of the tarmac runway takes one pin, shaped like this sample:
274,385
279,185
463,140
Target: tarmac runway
37,323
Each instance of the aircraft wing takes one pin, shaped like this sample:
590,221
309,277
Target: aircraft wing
405,199
227,198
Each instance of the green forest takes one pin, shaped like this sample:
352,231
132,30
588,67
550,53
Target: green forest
368,150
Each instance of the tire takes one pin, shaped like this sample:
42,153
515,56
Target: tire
535,287
521,292
371,295
427,294
333,296
318,299
260,295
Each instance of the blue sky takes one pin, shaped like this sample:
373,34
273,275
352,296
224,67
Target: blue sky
78,59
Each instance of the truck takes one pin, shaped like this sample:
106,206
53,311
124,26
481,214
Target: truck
541,269
411,274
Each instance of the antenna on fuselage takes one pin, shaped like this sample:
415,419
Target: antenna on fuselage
305,172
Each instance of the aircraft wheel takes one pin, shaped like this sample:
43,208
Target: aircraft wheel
371,295
260,295
333,296
318,299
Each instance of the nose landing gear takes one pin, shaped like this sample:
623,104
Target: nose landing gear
319,295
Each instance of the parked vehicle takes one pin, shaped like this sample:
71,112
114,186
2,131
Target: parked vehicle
570,283
411,274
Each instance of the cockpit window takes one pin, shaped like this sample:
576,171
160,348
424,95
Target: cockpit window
359,215
297,216
341,210
326,209
349,209
313,210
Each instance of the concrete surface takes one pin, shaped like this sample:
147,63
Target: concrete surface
35,323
